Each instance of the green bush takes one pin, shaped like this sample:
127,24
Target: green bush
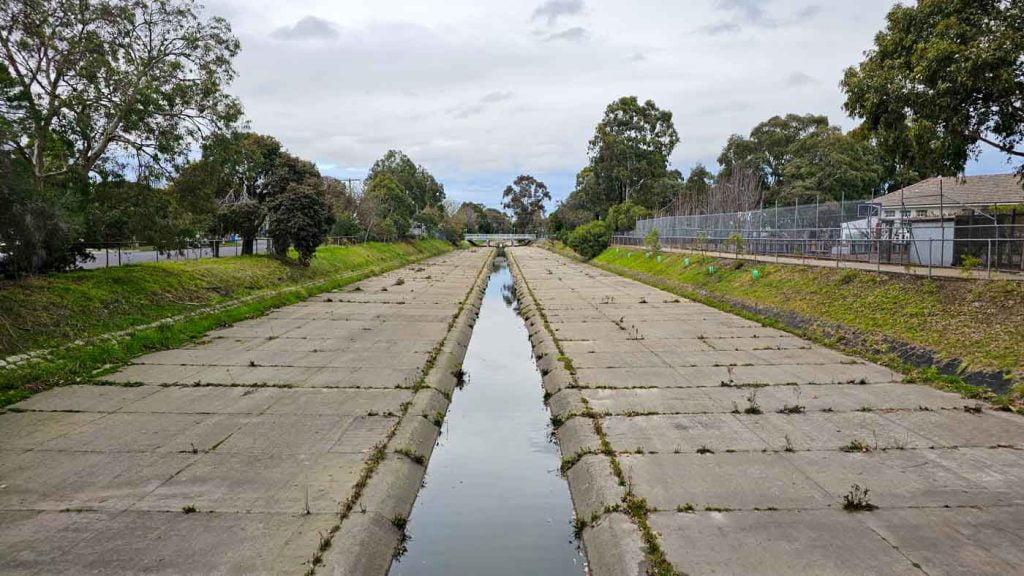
623,217
653,241
299,217
590,239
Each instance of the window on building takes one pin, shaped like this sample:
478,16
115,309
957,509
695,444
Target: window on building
922,213
904,213
890,213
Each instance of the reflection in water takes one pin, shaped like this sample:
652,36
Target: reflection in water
494,502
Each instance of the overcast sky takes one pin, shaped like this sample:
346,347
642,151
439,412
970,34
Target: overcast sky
479,91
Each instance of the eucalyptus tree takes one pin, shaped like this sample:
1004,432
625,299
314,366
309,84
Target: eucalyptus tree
944,78
100,84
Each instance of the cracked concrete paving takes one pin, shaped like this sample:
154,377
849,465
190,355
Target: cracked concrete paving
264,427
735,489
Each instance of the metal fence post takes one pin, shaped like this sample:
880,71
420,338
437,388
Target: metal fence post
989,258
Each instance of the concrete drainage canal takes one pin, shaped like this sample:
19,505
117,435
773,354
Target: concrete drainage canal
494,502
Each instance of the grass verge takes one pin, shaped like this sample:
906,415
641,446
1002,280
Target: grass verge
266,282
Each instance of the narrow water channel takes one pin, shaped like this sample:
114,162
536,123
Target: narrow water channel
494,502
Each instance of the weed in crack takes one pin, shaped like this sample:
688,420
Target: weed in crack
856,500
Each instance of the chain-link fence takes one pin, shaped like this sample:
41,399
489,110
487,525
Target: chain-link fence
849,231
111,254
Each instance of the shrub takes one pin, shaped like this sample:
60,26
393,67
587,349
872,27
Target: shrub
300,217
623,217
590,239
652,241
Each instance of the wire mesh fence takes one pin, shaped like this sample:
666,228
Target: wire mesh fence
847,231
111,254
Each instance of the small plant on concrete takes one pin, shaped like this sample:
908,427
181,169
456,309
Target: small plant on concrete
856,445
686,508
705,450
400,522
856,500
795,407
189,509
752,406
789,445
567,363
411,455
399,282
976,409
461,377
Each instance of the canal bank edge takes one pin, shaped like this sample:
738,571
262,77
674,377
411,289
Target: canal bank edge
612,541
371,531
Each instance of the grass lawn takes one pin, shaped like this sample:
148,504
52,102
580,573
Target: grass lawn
53,311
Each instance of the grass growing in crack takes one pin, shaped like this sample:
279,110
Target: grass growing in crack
379,451
856,500
705,450
412,455
189,509
687,508
856,445
567,363
461,377
400,522
658,564
752,406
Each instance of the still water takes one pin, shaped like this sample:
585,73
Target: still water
494,502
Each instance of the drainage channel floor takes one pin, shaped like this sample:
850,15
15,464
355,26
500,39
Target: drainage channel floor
494,502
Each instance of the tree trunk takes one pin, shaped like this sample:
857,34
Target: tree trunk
247,244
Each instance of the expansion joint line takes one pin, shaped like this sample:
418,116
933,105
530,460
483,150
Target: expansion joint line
635,507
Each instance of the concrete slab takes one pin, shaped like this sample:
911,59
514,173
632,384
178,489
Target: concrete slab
961,541
661,434
84,398
821,542
285,483
723,480
84,480
917,478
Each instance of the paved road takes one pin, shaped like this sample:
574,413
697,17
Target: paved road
744,440
110,258
265,430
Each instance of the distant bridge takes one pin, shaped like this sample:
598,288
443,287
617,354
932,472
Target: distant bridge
503,239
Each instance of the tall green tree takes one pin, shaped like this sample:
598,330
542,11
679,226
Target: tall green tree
300,217
240,172
421,186
104,82
831,165
944,78
629,155
768,148
390,210
525,198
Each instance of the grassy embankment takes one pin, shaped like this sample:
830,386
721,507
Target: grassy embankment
979,323
54,311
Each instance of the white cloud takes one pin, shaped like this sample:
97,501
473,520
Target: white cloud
472,89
